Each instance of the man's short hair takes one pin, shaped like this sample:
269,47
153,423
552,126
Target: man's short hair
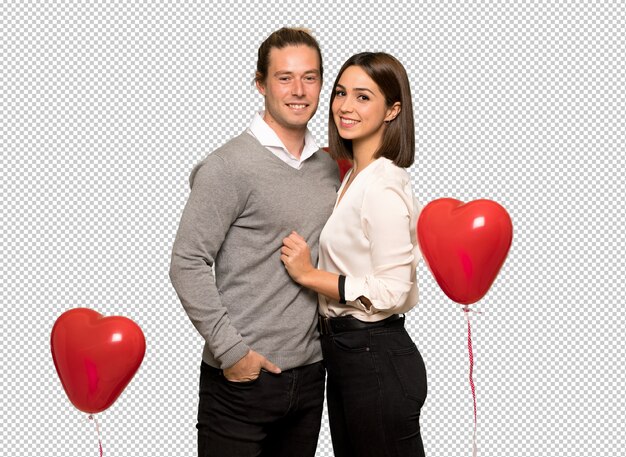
281,38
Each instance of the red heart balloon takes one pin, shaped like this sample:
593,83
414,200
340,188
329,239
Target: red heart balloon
464,245
344,166
95,356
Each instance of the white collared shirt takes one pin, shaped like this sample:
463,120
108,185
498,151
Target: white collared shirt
269,139
371,239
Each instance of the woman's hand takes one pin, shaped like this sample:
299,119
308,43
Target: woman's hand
296,256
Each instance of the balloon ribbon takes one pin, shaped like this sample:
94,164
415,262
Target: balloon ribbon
471,374
93,418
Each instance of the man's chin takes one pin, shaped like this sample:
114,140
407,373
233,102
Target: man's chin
301,119
299,122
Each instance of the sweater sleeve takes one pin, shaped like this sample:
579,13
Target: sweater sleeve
212,207
385,220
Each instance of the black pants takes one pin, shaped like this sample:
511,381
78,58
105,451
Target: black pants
375,389
272,416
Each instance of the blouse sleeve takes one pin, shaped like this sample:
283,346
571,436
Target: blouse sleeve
385,220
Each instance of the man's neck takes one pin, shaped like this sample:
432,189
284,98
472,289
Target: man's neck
293,139
293,143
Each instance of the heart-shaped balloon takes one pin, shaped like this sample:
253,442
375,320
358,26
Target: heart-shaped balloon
464,245
344,166
95,356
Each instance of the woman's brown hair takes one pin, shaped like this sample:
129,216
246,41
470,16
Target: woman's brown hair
388,73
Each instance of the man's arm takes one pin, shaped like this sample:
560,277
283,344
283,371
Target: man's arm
213,205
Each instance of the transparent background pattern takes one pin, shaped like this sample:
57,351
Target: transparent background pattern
106,106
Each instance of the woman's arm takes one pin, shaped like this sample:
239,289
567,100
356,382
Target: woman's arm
387,221
387,224
296,256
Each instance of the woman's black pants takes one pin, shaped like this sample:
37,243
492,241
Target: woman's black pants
376,386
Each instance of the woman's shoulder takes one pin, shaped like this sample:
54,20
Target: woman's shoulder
389,174
390,191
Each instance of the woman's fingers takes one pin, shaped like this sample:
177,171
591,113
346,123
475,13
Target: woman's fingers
294,241
297,237
289,242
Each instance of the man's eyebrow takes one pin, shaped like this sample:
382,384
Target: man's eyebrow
287,72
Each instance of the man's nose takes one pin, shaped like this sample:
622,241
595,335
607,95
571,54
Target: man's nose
297,88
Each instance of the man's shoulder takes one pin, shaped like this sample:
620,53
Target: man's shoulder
324,159
230,156
324,155
236,148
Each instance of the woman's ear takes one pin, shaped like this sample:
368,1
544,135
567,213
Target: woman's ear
393,112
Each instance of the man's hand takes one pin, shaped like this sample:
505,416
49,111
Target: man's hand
249,367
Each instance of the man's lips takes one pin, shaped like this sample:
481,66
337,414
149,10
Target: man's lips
297,106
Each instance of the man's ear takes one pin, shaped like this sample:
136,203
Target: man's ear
260,86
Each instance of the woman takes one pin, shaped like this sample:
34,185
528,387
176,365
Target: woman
367,265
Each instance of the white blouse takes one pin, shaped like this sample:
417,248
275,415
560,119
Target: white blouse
371,239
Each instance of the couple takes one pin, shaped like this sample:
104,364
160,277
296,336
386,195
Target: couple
260,210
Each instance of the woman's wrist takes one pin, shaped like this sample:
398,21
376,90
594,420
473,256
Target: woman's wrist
341,286
320,281
306,278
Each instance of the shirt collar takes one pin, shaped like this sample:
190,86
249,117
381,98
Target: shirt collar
268,137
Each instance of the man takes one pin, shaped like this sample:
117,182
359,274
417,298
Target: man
262,379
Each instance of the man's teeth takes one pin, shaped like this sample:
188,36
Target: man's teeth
297,106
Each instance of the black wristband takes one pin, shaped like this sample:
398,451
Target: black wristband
342,289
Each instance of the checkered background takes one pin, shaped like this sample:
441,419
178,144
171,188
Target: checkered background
106,106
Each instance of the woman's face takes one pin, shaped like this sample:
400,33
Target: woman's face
359,109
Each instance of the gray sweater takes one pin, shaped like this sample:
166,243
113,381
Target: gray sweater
243,202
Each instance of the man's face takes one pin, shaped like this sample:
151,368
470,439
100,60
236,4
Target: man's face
291,89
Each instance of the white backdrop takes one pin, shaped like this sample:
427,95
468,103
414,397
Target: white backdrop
106,106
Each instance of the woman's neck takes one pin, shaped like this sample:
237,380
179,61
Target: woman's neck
363,155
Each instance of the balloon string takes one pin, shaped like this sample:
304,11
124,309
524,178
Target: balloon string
93,418
471,374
